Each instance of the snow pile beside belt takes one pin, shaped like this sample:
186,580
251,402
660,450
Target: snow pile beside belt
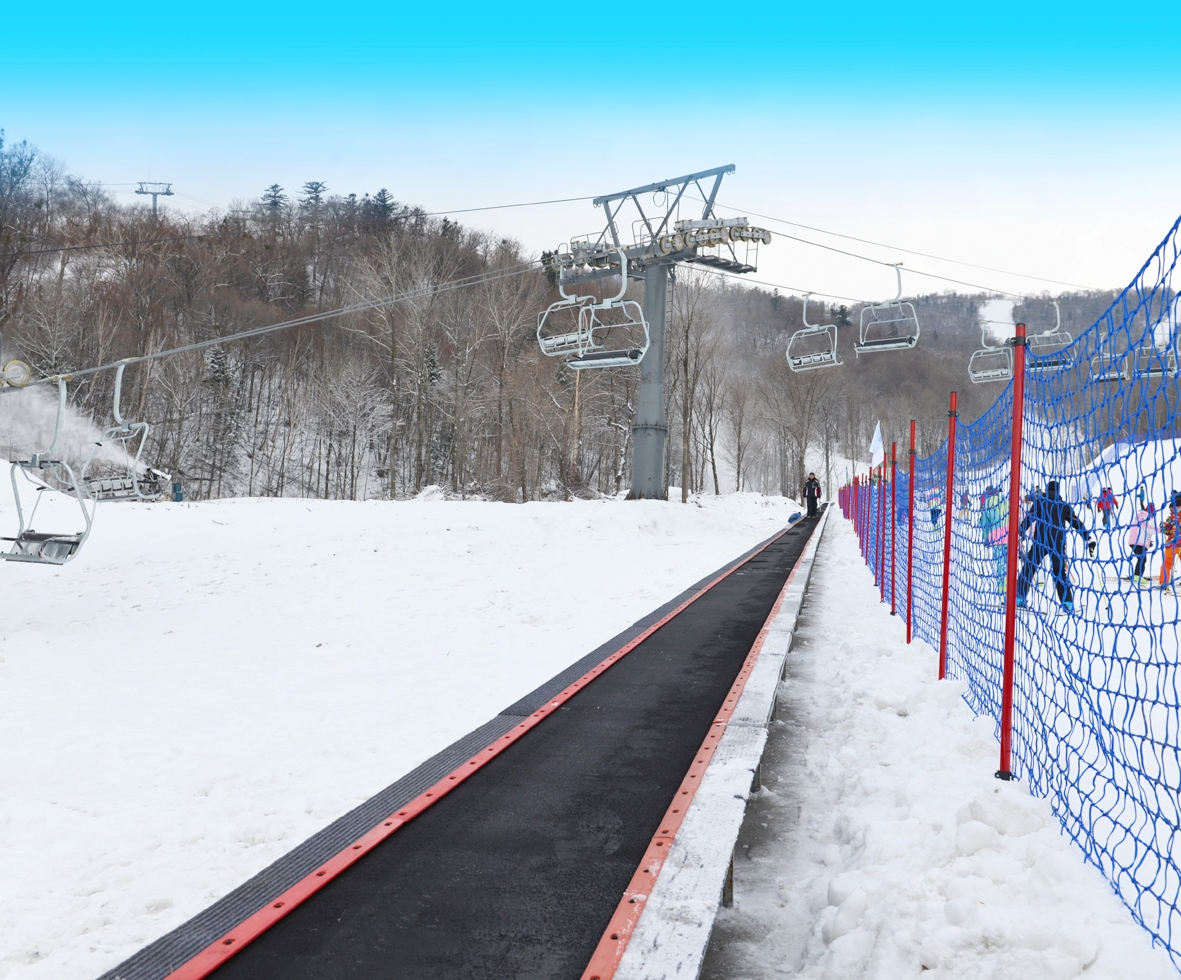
207,685
898,854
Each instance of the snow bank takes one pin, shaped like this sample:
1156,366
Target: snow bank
207,685
882,846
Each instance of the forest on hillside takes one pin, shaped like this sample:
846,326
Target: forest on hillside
446,386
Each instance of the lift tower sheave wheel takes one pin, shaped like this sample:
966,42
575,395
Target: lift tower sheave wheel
616,332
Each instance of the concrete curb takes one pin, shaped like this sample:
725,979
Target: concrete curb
672,935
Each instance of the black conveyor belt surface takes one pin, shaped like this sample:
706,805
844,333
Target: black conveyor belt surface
516,872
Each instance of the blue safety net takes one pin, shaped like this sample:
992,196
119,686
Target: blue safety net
1097,686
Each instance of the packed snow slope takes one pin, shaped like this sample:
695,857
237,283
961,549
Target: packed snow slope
207,685
882,847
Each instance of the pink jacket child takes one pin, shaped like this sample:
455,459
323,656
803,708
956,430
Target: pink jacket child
1141,537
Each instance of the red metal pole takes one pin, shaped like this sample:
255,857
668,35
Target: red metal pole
857,508
1006,769
948,502
867,488
881,543
910,537
893,520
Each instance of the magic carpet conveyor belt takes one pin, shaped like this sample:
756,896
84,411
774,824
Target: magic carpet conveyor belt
516,867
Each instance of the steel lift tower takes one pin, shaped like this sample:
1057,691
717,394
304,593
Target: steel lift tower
156,190
659,238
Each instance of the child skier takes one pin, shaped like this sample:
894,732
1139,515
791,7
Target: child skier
1171,533
1105,505
994,521
1141,537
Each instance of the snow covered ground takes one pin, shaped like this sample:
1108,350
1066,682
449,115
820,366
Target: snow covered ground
881,845
207,685
996,318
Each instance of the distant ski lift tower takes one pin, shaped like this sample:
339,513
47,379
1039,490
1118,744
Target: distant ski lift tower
660,238
156,190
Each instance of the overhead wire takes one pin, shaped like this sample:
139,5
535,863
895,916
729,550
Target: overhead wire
186,238
777,285
433,290
77,248
890,265
501,207
899,248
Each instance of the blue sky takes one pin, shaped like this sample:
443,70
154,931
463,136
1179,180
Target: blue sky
1041,138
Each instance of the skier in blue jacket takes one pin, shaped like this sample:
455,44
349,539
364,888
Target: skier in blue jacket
1050,515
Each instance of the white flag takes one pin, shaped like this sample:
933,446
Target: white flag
877,452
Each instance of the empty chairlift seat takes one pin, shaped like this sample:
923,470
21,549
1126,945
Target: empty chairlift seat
559,328
132,481
992,362
1048,349
1107,369
814,346
893,325
595,334
1156,362
37,472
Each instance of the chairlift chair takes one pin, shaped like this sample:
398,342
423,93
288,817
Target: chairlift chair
1049,347
559,327
990,363
893,325
1156,363
1106,370
40,547
132,484
617,331
608,333
815,346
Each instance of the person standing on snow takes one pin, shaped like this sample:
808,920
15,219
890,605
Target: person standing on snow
994,521
1105,505
1171,533
812,493
1051,515
1141,537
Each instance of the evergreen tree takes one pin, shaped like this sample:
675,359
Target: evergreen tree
274,200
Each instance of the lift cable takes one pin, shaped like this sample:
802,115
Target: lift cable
195,238
501,207
476,280
898,248
779,285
